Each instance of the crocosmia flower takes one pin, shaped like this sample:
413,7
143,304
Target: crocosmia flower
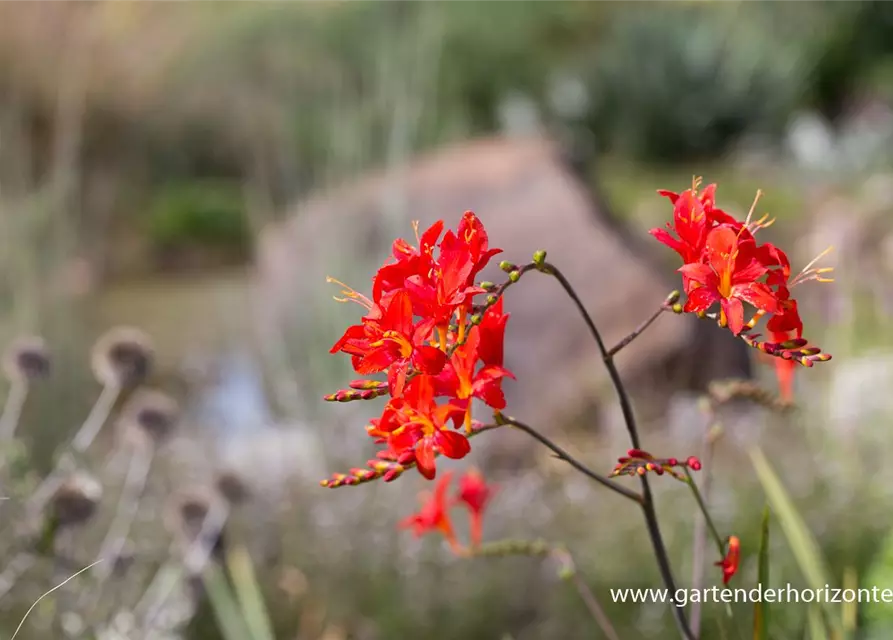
475,494
730,277
415,425
729,563
434,515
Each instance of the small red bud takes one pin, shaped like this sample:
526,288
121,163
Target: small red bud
693,463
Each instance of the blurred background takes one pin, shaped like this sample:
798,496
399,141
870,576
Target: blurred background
196,170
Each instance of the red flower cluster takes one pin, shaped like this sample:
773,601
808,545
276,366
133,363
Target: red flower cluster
434,516
439,350
724,264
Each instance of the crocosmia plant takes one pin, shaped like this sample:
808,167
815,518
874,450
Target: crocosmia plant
435,334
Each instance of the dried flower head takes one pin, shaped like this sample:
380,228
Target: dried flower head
122,357
232,486
26,359
149,416
76,500
186,517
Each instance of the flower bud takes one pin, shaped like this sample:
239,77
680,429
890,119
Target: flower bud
507,266
539,258
514,276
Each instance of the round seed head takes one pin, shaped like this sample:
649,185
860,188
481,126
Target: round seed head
123,357
187,512
149,417
233,487
75,501
27,359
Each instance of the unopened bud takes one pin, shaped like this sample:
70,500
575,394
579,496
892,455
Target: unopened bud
693,463
673,298
487,286
491,300
539,258
514,276
677,307
507,266
476,319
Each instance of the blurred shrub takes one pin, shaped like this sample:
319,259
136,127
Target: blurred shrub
683,82
202,213
852,53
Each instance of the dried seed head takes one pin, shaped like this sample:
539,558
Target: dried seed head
149,417
185,519
187,512
233,487
122,357
26,359
75,501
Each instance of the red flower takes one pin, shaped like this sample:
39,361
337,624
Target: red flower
448,287
434,514
475,493
415,424
729,564
410,261
729,277
392,342
690,223
461,377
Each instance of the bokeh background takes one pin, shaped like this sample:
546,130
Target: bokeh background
196,170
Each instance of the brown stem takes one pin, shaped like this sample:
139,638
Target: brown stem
647,504
666,306
564,455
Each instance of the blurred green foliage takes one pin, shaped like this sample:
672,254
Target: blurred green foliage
202,212
684,82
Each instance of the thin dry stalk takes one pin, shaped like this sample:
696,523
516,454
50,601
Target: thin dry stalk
12,409
85,436
193,562
128,508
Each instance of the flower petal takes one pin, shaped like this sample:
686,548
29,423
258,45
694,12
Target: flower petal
429,360
734,310
424,456
452,444
700,299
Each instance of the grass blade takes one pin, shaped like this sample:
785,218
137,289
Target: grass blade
230,622
761,608
801,542
249,594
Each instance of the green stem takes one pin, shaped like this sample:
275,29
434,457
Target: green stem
647,504
720,543
567,571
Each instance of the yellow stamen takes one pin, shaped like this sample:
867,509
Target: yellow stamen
753,207
468,418
461,336
810,273
350,294
415,228
442,337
